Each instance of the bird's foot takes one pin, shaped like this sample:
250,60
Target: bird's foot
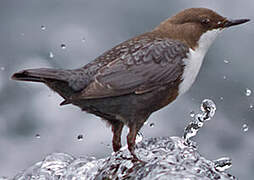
135,159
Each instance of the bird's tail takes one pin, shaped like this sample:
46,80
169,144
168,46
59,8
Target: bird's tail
39,75
55,79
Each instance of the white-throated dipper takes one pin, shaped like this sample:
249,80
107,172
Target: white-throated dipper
129,82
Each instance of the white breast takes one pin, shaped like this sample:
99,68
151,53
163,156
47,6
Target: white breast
195,59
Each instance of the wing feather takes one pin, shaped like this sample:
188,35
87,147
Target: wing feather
154,63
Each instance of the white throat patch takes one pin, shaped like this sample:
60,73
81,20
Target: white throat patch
195,58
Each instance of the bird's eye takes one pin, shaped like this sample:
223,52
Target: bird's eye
205,21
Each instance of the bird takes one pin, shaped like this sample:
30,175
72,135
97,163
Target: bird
139,76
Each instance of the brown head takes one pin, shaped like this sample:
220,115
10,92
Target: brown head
190,24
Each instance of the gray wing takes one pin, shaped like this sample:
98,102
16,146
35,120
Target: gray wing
156,62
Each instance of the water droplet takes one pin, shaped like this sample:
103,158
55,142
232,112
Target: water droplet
224,77
108,145
251,106
2,68
221,98
38,136
51,55
63,46
139,137
199,117
191,130
80,137
151,125
83,39
226,61
192,114
209,108
43,28
223,164
248,92
245,128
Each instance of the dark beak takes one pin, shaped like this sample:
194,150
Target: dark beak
230,22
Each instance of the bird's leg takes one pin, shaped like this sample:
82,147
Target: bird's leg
133,130
117,131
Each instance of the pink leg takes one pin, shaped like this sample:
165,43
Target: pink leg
117,131
131,140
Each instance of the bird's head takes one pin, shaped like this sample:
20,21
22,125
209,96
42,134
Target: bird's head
190,24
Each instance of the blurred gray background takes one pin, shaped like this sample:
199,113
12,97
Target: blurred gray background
32,32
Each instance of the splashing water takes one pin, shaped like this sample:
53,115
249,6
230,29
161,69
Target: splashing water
192,114
51,55
151,125
208,109
248,92
245,127
43,28
63,46
222,164
38,136
162,158
139,137
226,61
80,137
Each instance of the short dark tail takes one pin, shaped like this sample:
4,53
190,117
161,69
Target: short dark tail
39,75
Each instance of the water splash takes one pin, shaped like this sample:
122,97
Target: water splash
139,137
192,114
51,55
38,136
245,127
63,46
222,164
226,61
80,137
162,158
54,166
151,125
43,28
248,92
208,109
